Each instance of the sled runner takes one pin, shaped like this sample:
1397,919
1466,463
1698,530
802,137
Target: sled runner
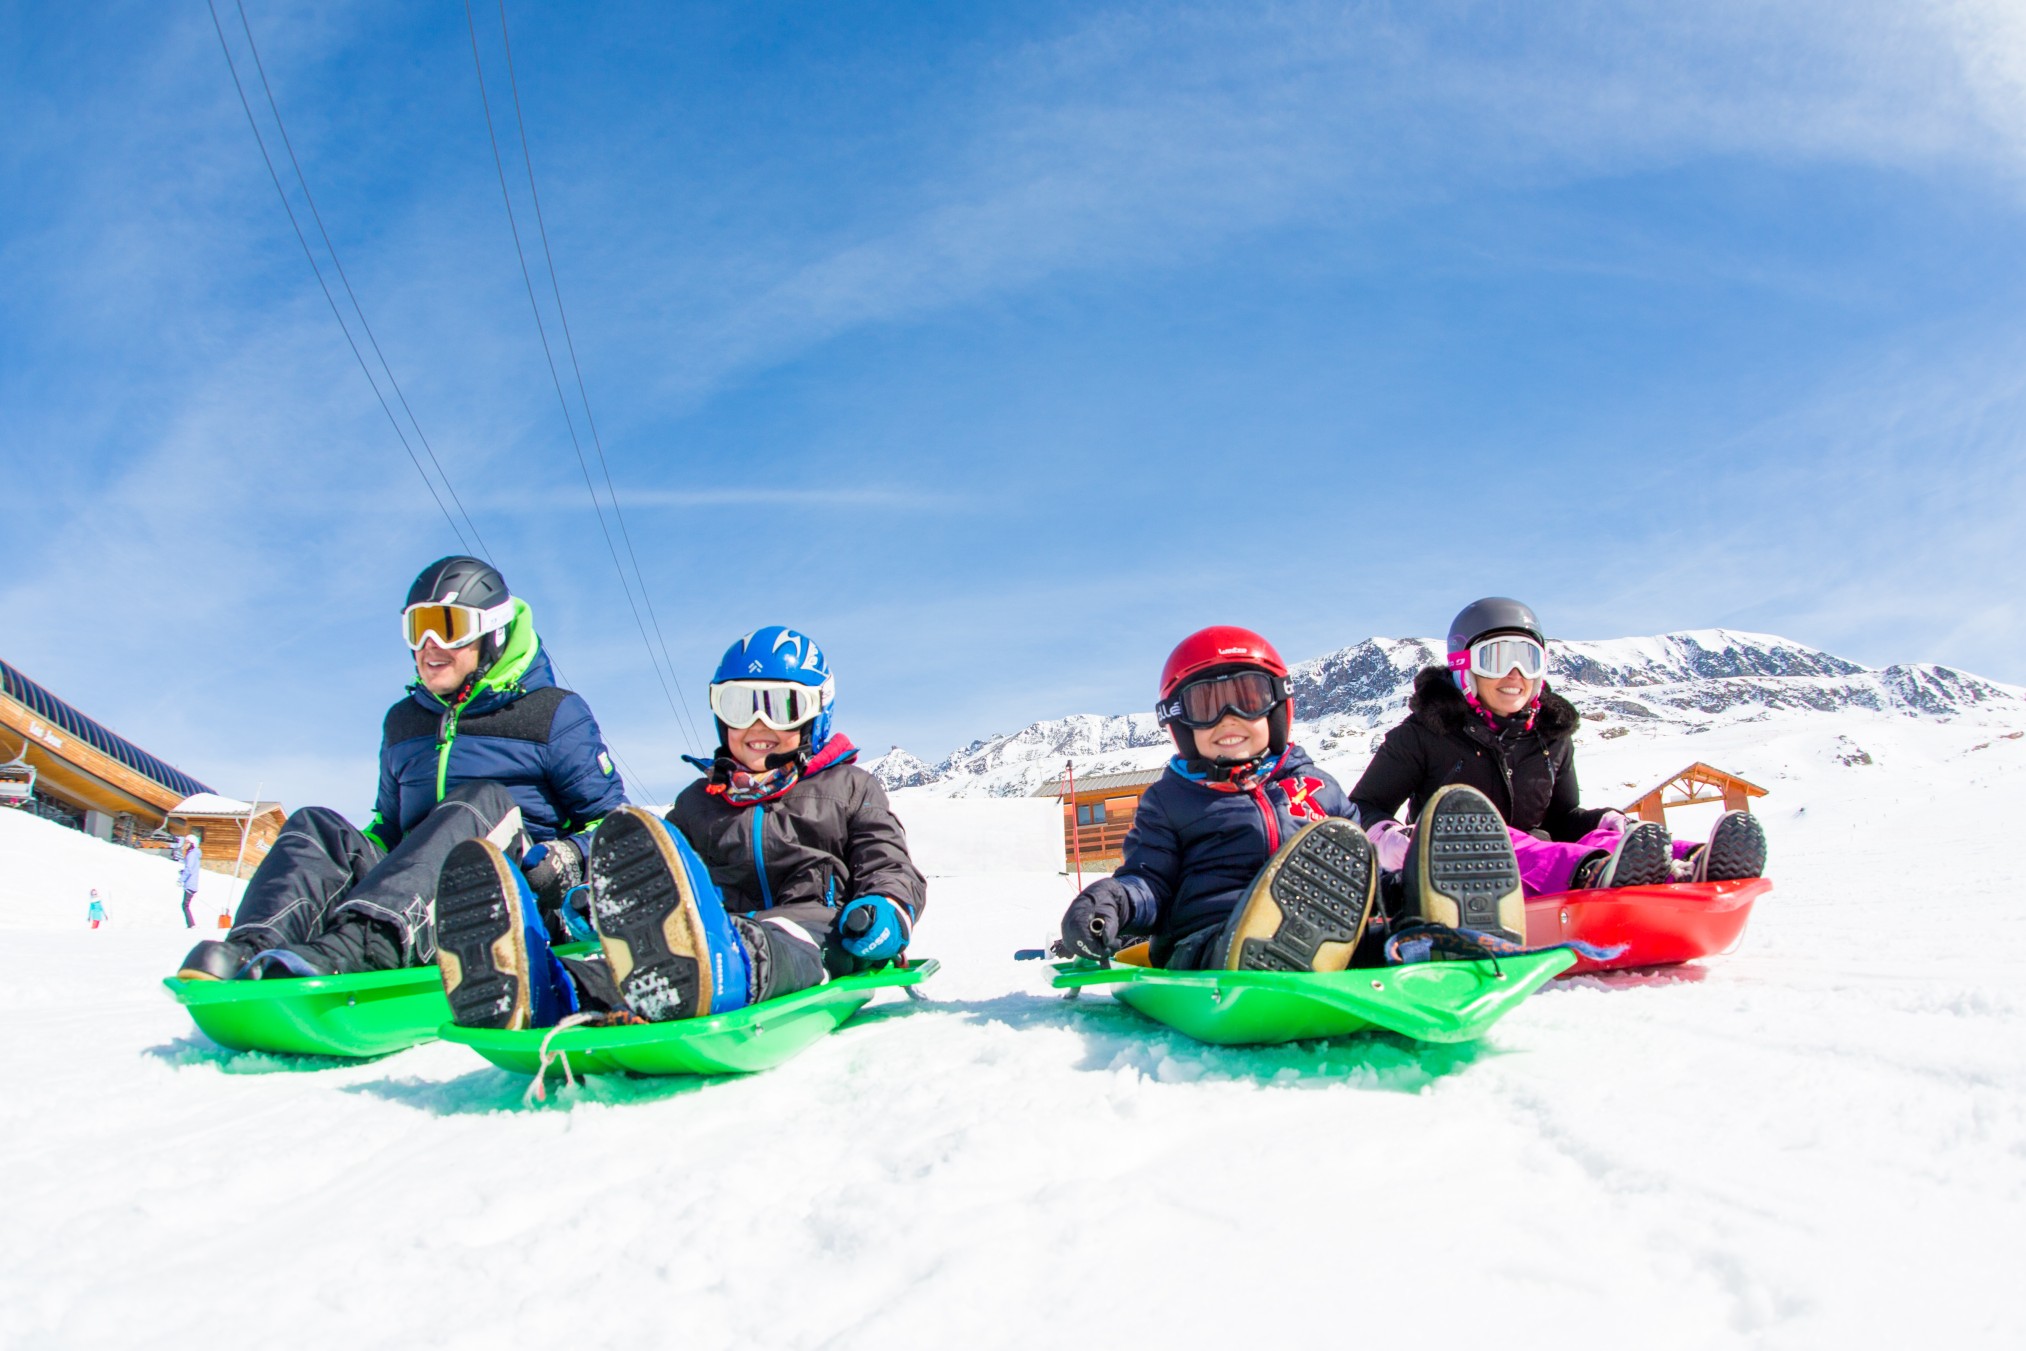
369,1014
1658,926
757,1037
1428,1001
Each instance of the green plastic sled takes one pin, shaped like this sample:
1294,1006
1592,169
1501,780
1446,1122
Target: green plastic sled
1429,1001
370,1014
747,1040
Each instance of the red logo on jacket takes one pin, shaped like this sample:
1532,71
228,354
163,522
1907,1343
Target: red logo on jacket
1301,804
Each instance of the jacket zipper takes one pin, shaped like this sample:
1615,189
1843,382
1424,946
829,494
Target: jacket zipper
1272,823
445,736
760,854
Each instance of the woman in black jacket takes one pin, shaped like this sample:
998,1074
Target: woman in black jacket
1490,721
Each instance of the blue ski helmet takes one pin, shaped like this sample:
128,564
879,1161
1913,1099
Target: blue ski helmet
780,653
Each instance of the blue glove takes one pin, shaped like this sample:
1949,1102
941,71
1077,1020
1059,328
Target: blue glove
874,928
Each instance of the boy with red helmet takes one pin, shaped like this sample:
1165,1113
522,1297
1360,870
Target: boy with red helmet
1243,855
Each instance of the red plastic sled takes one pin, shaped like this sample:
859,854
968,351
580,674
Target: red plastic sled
1660,926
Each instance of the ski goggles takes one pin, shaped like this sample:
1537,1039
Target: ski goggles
1493,657
1206,702
452,625
781,704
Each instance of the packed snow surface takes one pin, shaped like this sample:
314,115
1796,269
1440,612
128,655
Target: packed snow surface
1816,1141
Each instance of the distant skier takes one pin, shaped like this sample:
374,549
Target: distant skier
189,857
95,913
484,745
1489,720
783,867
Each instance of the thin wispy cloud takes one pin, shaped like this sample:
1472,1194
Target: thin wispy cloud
1265,313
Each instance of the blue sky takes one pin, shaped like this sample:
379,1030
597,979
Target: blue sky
999,346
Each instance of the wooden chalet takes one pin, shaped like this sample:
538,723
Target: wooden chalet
1698,784
233,837
1096,818
58,762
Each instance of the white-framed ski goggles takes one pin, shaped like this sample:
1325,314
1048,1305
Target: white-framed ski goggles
1494,656
452,625
781,704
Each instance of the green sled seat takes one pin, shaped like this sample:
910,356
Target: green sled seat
744,1041
1429,1001
372,1013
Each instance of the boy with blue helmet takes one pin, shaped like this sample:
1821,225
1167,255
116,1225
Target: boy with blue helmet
782,867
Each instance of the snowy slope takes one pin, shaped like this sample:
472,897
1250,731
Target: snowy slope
1676,683
1819,1140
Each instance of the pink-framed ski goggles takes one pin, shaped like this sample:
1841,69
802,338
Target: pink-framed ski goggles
1502,652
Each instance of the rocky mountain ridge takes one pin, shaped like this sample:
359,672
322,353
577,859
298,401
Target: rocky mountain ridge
1677,682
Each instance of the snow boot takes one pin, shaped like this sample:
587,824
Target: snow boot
215,959
1736,849
356,944
1309,905
673,951
1461,870
498,969
1642,859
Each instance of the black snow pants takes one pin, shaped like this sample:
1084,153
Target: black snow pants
321,869
791,947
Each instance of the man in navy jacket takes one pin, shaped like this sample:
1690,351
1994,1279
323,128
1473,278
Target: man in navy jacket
484,744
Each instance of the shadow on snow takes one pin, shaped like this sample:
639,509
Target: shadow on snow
1116,1038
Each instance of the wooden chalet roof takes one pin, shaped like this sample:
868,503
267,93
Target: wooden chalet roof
95,734
1706,774
1102,783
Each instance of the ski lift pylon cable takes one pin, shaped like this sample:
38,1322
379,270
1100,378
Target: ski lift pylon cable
324,286
555,377
260,68
310,254
570,346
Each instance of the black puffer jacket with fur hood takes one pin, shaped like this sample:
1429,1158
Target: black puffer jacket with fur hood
1530,775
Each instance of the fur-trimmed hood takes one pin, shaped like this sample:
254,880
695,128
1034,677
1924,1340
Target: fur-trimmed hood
1438,704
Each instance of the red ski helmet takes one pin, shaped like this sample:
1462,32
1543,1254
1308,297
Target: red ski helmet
1214,651
1218,645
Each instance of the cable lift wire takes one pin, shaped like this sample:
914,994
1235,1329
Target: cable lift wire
570,346
555,376
343,327
329,299
316,215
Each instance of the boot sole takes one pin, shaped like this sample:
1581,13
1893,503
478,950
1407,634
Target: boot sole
647,918
1644,858
1736,849
1310,905
1466,875
481,946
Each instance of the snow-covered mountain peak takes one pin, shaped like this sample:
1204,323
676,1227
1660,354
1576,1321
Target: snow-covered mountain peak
1678,683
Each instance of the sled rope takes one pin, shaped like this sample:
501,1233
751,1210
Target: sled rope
537,1091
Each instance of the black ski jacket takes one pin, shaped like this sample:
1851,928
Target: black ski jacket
829,839
1193,850
1530,776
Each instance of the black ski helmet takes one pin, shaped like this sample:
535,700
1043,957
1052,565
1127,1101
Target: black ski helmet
463,580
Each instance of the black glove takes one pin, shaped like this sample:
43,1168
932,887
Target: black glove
552,869
1095,919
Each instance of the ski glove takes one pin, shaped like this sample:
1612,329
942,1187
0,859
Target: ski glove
552,869
1092,924
874,928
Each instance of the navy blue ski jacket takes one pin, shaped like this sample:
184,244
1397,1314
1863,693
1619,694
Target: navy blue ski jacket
1194,850
516,729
